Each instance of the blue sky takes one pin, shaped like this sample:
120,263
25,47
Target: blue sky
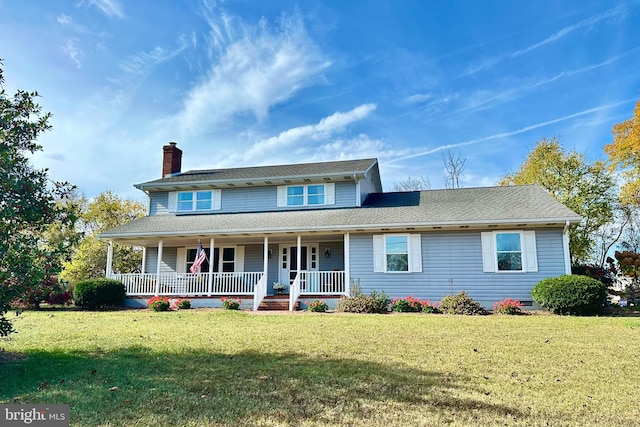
253,82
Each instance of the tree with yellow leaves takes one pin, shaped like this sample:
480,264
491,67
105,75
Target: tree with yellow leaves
624,155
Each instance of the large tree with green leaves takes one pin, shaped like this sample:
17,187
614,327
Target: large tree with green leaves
586,188
27,203
103,213
624,155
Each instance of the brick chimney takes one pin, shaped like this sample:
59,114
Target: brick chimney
171,160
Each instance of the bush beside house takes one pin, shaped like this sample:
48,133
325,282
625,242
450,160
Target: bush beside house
93,294
571,294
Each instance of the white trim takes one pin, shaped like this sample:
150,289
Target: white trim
216,200
428,227
414,253
565,247
210,278
158,267
378,254
181,260
108,270
144,260
528,251
358,193
347,264
328,195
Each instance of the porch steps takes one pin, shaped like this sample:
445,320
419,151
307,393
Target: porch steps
276,303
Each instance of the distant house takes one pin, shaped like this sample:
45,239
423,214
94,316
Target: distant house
322,228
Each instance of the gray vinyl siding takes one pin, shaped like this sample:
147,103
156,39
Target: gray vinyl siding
169,257
256,199
262,199
370,184
335,261
253,258
451,262
158,203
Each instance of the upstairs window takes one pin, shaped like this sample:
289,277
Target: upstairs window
306,195
194,201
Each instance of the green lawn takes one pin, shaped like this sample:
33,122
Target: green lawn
210,367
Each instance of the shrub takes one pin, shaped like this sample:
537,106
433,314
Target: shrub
376,302
571,294
317,305
181,304
98,293
508,306
431,307
461,304
159,304
406,305
231,303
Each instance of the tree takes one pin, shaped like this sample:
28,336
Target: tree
453,168
586,188
105,212
624,155
27,203
412,184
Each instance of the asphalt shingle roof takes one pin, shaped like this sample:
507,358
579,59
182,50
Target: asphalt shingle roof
301,170
431,208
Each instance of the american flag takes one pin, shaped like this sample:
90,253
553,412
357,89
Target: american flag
201,257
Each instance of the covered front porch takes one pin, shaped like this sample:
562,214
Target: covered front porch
249,266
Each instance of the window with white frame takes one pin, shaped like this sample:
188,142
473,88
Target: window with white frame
232,259
509,251
397,253
194,201
306,195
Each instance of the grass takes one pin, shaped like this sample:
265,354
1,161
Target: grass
213,367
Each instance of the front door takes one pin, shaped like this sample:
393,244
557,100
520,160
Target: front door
289,262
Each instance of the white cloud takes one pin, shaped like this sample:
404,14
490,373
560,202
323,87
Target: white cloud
140,63
73,52
563,32
589,22
418,98
300,137
111,8
253,69
511,133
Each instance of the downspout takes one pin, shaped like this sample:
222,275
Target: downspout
358,195
565,245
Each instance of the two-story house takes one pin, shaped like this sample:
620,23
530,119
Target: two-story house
321,228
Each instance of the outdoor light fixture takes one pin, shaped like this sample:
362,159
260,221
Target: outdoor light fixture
270,253
327,253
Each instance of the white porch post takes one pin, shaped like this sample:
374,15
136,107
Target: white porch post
265,257
565,246
347,265
159,264
144,260
109,259
210,279
299,255
109,266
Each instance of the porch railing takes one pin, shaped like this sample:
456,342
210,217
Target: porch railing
189,284
322,282
294,292
260,292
